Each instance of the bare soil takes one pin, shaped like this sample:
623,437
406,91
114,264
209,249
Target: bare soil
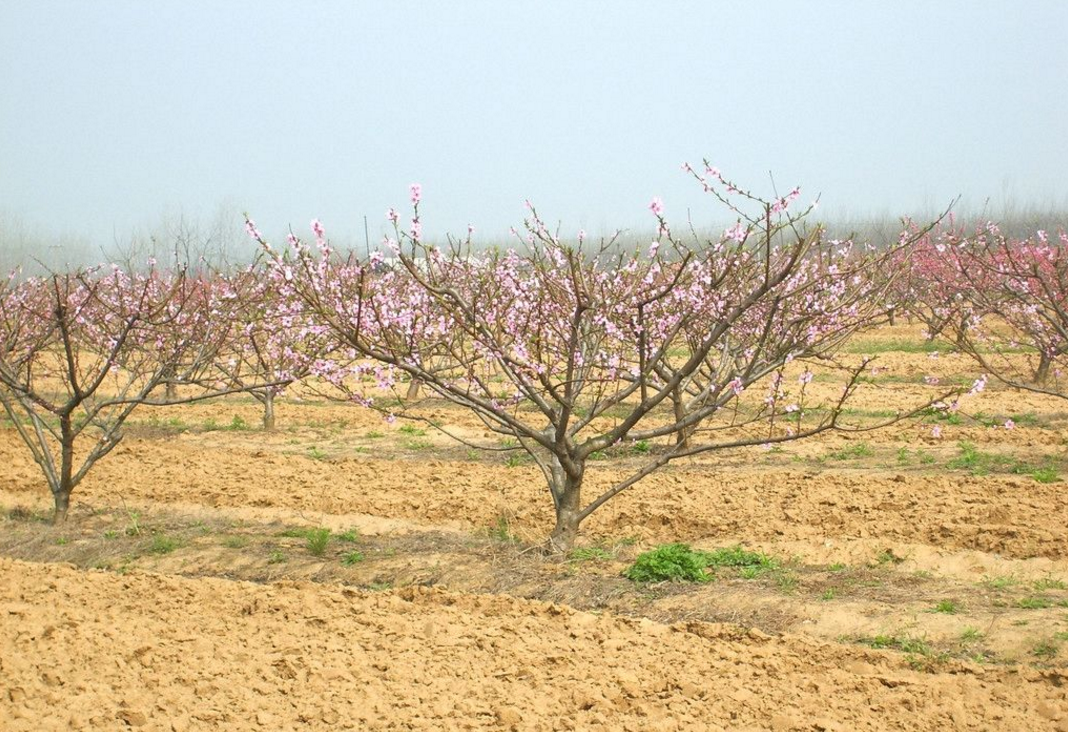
919,581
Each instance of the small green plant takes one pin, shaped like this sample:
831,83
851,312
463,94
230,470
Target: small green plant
905,644
315,453
418,444
502,530
317,541
903,456
887,556
851,452
1046,474
829,594
134,527
1034,603
374,435
837,567
670,562
1045,650
62,541
598,455
736,556
514,461
971,635
589,554
1049,583
351,536
925,457
948,607
237,424
111,534
351,558
411,430
163,544
1000,581
641,447
276,557
235,542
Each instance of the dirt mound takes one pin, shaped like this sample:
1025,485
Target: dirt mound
97,650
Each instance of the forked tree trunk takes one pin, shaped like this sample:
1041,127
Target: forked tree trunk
171,392
413,389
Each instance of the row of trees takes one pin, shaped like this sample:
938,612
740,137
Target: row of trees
566,348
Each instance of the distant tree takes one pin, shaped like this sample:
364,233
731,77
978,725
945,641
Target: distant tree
1015,324
80,351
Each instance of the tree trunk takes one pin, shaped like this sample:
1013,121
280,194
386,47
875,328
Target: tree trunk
893,317
62,505
268,411
61,492
1042,372
567,495
413,389
682,437
171,392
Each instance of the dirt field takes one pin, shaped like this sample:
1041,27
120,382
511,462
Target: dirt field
918,576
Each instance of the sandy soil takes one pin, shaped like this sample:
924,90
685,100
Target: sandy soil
98,650
171,644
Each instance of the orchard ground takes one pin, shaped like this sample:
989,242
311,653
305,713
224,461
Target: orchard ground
343,572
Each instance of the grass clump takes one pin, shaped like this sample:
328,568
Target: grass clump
589,554
948,607
851,452
677,562
351,558
163,544
317,541
1049,583
680,562
905,644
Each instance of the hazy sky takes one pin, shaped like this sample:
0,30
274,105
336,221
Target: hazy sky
114,114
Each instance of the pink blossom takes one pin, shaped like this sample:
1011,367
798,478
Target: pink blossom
656,206
416,190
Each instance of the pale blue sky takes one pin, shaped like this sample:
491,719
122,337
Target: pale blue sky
113,114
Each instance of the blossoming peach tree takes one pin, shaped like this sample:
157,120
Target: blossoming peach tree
80,351
572,348
1016,323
